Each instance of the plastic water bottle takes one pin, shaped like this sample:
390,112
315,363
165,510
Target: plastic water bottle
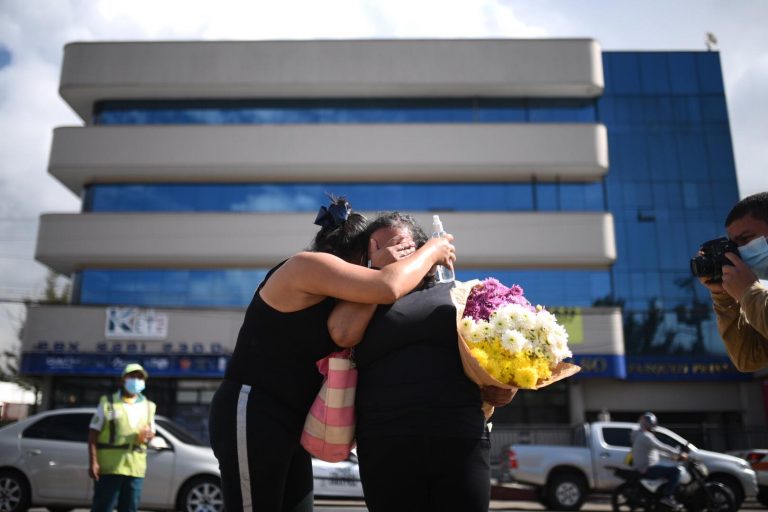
444,274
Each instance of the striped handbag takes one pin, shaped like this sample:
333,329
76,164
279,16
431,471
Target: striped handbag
329,430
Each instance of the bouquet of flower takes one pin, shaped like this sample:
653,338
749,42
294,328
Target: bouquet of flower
507,342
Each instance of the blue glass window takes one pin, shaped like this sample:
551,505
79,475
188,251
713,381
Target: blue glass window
168,287
713,109
709,71
682,73
558,111
234,288
654,74
329,111
286,197
623,71
671,183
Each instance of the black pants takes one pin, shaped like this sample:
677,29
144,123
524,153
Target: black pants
425,473
263,466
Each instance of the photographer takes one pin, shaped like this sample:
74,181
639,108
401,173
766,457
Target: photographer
740,300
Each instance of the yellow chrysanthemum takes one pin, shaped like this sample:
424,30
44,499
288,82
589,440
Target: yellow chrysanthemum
526,377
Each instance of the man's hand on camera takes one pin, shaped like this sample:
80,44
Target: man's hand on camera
715,288
737,278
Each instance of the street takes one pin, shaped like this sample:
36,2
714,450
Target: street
596,505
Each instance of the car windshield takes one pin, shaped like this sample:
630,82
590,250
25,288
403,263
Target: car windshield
674,442
178,432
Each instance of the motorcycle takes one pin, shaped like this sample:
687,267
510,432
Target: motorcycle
693,492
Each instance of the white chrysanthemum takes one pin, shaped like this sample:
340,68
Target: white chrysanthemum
465,326
557,333
499,321
545,321
519,317
528,319
513,341
559,348
476,334
486,329
480,331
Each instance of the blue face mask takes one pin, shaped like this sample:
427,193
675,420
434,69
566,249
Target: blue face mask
754,254
134,386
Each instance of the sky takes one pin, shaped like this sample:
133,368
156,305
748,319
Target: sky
33,34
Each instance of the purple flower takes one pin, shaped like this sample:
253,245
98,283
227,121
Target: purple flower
489,295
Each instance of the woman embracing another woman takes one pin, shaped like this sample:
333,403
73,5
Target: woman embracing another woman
258,412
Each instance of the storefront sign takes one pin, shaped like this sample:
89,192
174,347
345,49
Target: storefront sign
112,364
674,368
135,323
130,347
600,365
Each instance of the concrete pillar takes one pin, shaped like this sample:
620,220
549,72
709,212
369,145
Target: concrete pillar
576,402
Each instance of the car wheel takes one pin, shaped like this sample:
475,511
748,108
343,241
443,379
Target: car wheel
719,498
566,491
201,494
14,492
623,499
733,486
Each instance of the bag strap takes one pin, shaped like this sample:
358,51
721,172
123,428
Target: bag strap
112,427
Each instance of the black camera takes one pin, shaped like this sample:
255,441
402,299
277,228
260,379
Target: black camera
711,259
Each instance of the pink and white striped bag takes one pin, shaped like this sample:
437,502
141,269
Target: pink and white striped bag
329,430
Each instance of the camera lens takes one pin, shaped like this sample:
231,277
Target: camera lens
702,266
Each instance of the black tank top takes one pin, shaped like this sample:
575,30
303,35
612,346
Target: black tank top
276,352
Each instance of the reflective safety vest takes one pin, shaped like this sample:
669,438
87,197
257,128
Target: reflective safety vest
117,448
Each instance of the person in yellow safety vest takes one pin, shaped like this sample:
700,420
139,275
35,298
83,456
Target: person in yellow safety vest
117,443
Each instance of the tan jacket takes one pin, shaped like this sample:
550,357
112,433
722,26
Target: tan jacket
744,329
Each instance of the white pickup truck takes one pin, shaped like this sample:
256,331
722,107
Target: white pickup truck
565,475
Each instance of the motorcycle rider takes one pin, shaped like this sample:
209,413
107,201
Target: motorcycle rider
646,451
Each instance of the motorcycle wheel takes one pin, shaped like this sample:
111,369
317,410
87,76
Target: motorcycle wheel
626,498
719,498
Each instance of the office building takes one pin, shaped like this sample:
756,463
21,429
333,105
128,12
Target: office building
588,177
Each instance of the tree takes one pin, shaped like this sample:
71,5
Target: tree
57,291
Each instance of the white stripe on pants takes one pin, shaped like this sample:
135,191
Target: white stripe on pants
242,448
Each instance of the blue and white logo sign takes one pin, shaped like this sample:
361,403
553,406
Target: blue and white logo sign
124,323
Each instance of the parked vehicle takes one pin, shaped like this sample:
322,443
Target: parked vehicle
758,459
564,475
337,479
694,493
44,463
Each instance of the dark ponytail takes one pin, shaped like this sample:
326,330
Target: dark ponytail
342,231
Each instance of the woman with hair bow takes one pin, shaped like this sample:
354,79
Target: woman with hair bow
258,412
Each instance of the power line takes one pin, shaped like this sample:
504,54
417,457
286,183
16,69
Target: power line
18,301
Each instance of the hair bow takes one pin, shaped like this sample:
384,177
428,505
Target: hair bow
333,216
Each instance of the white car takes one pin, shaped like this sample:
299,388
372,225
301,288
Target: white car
758,459
44,462
337,479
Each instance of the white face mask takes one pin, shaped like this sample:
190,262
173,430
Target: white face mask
755,256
